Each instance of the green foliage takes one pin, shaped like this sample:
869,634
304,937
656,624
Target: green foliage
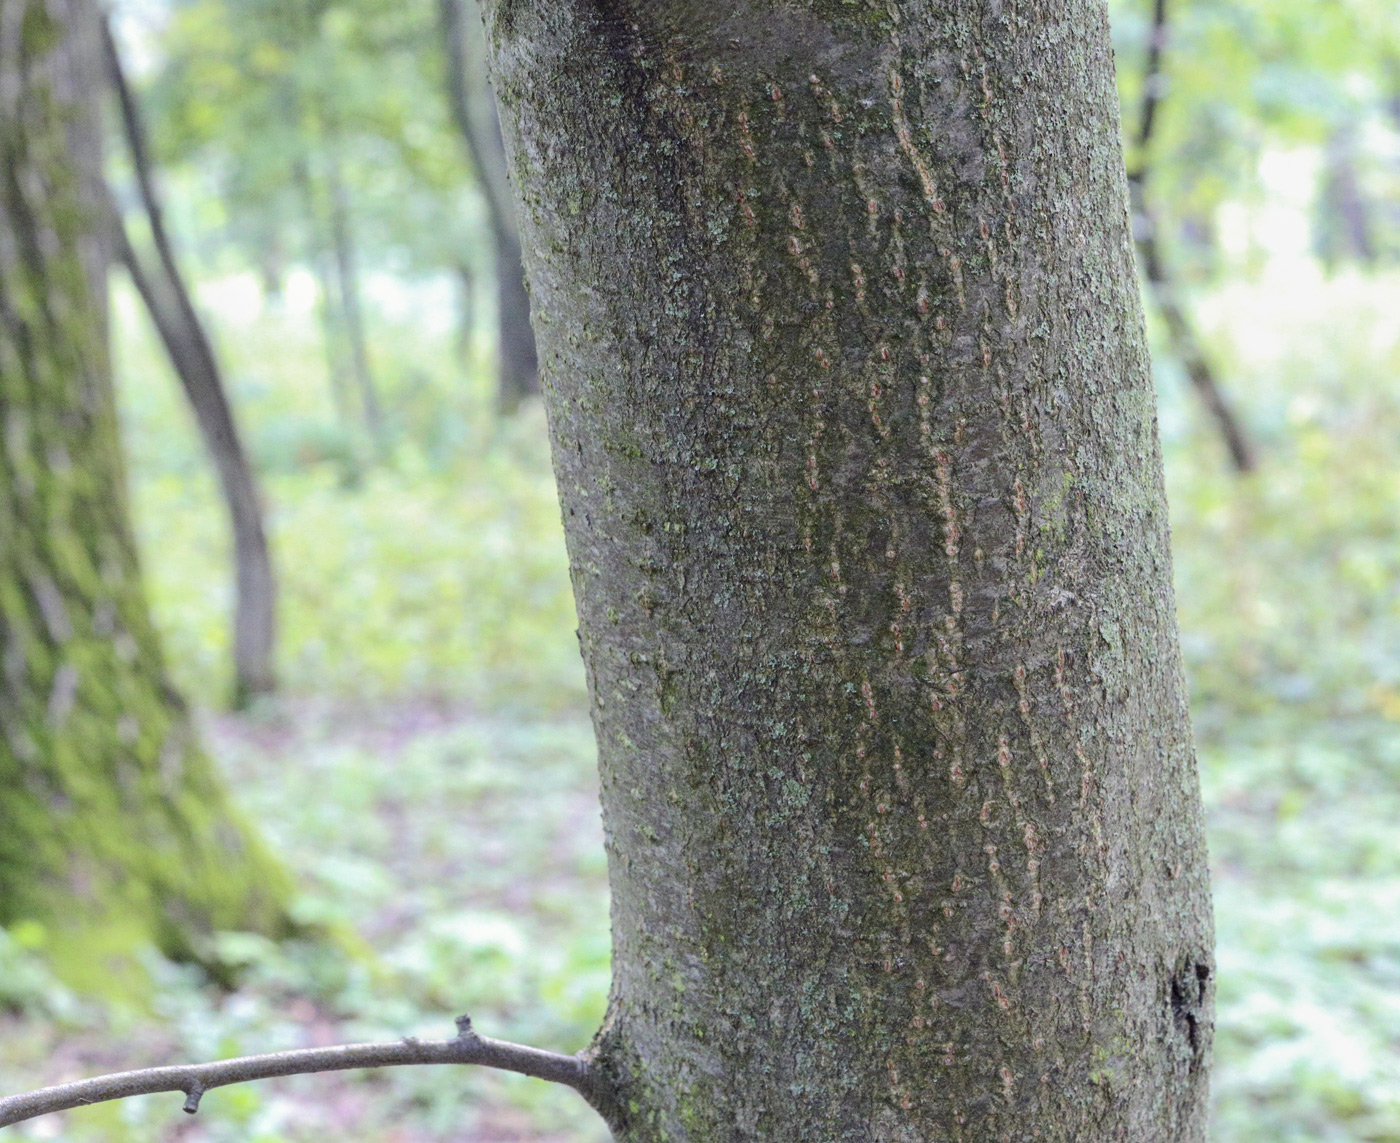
442,574
465,850
1298,613
1244,78
27,982
269,100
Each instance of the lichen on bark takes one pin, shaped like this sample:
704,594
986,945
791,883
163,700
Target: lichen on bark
113,822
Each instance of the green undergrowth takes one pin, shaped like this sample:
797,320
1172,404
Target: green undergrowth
436,572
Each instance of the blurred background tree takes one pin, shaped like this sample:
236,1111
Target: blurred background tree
116,832
474,111
166,295
428,766
325,135
1244,81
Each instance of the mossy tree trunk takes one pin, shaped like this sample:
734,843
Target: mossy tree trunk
844,363
109,811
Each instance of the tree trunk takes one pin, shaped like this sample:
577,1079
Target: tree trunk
1346,230
518,365
474,109
855,437
1181,334
331,324
110,810
1160,281
465,278
172,310
348,275
326,308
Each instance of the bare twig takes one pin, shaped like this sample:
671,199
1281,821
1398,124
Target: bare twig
193,1080
1183,337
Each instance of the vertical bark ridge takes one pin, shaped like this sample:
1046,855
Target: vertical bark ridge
853,428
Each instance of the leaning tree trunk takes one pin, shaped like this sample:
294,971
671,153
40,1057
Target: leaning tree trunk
255,600
171,307
1181,333
852,423
108,808
474,110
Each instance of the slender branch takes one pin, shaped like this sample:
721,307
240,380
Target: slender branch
193,1080
1152,80
1185,344
1182,335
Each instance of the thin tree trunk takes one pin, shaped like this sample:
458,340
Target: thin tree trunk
272,268
348,276
168,300
854,431
332,323
111,812
474,110
518,366
327,309
1186,346
466,306
1347,226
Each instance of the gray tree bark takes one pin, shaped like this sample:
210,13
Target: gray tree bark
851,417
474,110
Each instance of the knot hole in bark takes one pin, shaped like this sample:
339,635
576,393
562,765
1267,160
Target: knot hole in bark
1189,988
